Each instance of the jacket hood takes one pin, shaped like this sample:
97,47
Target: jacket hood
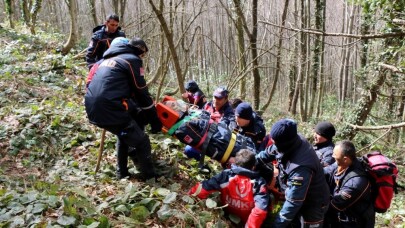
118,49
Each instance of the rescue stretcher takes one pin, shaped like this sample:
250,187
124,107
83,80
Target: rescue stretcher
195,128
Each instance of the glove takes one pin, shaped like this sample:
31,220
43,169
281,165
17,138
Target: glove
156,125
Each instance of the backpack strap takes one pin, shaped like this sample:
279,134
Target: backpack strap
350,175
211,130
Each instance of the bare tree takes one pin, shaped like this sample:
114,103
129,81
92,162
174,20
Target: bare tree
30,10
9,10
92,6
73,9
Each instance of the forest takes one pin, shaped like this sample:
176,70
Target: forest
310,60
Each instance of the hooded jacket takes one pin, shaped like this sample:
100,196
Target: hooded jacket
100,42
118,89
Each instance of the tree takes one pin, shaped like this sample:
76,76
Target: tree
29,11
73,9
92,6
9,10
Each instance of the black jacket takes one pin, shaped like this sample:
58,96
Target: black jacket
118,89
255,130
324,152
100,42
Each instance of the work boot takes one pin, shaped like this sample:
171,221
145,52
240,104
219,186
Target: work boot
122,160
143,158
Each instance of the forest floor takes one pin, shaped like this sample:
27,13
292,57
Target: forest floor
48,154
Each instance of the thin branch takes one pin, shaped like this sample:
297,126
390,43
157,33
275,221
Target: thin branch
391,67
381,127
398,21
362,37
370,144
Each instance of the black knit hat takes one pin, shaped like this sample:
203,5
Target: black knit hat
284,131
325,129
244,111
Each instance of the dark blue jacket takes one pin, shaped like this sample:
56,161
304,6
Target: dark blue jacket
255,130
351,198
324,152
118,89
100,42
306,193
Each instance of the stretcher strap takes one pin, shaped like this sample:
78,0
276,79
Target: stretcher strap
185,119
229,148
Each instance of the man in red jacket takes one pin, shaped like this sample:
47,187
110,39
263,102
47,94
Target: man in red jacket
243,189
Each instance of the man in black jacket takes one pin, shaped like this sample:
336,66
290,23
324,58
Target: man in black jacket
323,145
351,202
102,38
249,123
118,98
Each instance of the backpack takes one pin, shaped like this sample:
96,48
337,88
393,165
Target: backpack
382,173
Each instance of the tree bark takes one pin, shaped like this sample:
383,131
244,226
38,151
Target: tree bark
9,10
92,6
278,57
36,7
73,11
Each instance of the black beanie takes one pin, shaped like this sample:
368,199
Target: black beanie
284,131
244,111
325,129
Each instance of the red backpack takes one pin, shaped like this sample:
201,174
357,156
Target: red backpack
382,173
239,196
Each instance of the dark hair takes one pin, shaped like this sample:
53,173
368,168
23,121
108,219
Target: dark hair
235,102
113,16
245,159
348,149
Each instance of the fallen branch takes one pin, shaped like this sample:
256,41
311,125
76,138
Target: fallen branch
370,144
391,67
382,127
399,21
361,37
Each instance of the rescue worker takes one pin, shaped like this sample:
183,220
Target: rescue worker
306,193
351,203
118,97
102,38
220,109
323,145
220,112
241,188
249,123
194,95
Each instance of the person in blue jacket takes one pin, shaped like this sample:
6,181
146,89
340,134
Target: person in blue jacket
351,200
249,123
323,144
117,98
306,190
241,188
101,39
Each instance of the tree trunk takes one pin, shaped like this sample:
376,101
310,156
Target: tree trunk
36,6
170,43
298,81
73,11
303,63
316,58
25,13
9,10
321,64
241,52
364,106
278,57
92,6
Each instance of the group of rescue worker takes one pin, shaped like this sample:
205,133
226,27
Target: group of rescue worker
308,177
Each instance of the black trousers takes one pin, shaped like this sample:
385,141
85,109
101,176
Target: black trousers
132,135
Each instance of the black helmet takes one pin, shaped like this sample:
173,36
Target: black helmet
138,45
191,86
